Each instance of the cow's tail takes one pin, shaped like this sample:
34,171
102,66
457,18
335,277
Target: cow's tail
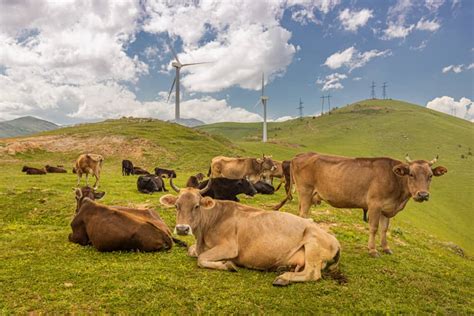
288,183
279,185
334,271
180,242
209,172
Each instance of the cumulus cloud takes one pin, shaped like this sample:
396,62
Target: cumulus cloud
352,58
462,108
353,20
396,30
332,81
304,11
457,68
426,25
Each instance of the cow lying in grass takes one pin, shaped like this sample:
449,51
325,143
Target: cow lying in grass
33,171
111,228
150,183
227,189
230,234
89,164
52,169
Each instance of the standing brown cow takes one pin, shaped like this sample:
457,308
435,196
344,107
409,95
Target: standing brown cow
89,164
381,186
240,168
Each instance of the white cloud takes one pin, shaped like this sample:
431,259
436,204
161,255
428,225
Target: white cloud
395,30
352,58
304,11
462,108
332,81
352,20
420,47
426,25
434,5
357,78
457,68
283,119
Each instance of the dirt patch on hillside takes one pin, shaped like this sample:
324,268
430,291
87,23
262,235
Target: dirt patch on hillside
105,145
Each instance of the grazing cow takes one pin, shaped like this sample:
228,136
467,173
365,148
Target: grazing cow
138,170
51,169
116,228
381,186
165,173
33,171
269,175
239,168
127,167
150,183
263,187
227,189
230,234
89,164
74,170
193,181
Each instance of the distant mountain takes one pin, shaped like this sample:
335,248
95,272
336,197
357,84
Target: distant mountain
188,122
24,126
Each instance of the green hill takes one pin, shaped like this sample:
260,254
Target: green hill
374,128
41,272
24,126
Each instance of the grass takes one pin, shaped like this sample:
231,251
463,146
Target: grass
42,272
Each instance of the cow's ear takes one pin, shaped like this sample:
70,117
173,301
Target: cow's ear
168,200
401,170
207,202
439,171
78,193
98,195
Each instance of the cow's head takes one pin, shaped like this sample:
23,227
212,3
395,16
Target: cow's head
246,187
419,174
189,203
265,163
24,169
200,176
86,192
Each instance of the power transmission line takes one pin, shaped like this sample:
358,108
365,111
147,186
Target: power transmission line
373,90
300,108
329,101
322,104
384,90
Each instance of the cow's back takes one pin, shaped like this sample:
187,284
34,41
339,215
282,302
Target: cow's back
226,167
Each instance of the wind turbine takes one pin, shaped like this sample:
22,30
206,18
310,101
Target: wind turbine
178,65
263,101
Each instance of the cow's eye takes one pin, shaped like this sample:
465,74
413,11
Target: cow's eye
411,175
430,176
196,206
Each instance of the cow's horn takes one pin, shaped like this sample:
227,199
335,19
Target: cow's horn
173,186
432,162
206,188
407,158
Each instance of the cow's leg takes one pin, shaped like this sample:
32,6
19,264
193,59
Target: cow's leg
312,266
374,216
306,200
97,177
192,252
384,222
79,176
218,257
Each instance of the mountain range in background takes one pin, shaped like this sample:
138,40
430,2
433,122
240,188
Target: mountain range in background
24,126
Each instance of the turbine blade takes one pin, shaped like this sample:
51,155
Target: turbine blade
171,90
172,50
191,64
259,102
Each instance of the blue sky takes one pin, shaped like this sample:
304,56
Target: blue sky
106,59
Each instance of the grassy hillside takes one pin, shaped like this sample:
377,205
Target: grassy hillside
24,126
41,272
374,128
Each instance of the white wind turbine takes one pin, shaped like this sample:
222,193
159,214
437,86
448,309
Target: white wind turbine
178,65
263,101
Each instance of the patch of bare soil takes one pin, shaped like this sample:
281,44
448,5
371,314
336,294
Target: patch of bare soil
105,145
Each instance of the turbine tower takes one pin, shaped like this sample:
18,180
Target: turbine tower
300,108
263,101
178,65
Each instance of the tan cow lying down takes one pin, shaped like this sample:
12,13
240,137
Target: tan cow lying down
240,168
89,164
229,234
382,186
117,228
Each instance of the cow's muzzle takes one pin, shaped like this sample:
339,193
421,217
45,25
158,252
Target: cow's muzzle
422,196
183,230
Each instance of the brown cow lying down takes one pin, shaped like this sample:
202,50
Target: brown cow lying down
32,171
51,169
240,168
229,234
117,228
382,186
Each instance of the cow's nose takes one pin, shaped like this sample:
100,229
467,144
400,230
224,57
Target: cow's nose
182,229
423,195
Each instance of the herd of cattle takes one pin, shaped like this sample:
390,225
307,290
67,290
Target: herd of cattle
230,234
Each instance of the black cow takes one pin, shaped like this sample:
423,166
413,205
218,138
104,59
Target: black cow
138,170
150,183
30,170
160,172
227,189
263,187
127,167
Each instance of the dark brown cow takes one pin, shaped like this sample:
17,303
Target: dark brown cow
382,186
229,234
33,171
194,181
165,173
117,228
138,170
51,169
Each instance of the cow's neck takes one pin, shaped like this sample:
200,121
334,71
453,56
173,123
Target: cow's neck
207,219
402,198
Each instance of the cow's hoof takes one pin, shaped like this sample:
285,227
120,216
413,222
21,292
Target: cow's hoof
374,254
388,252
280,282
231,266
